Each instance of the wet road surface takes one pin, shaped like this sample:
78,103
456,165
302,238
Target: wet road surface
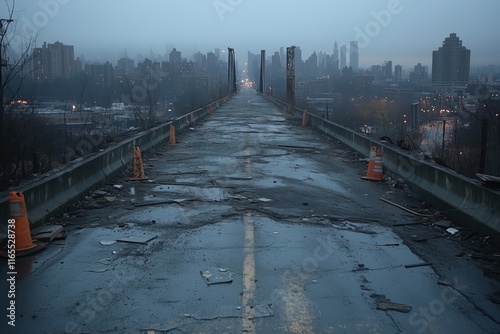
256,226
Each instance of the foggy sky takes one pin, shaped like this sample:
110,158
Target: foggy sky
403,31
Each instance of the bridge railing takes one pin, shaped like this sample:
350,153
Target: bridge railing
55,189
465,200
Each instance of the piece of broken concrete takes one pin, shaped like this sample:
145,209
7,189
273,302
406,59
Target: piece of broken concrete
138,239
215,276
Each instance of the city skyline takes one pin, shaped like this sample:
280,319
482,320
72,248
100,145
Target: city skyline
385,30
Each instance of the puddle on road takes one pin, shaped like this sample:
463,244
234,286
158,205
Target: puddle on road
201,193
175,215
293,168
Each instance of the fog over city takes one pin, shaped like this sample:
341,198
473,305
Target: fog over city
402,30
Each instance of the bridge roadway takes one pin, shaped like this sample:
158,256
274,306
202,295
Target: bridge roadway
248,195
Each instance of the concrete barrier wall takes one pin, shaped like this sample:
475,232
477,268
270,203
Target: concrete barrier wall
465,199
53,190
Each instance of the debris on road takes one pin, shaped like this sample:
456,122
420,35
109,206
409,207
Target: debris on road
380,245
219,278
262,311
107,242
138,238
443,223
118,186
99,194
416,238
390,306
404,208
415,265
452,230
385,304
407,224
47,233
96,270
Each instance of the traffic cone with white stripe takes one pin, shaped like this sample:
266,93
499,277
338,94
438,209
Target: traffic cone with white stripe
375,168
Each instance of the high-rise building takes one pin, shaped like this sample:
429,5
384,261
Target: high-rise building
335,57
53,61
398,73
388,69
343,56
282,57
125,67
451,64
63,57
354,56
100,74
218,54
419,75
175,56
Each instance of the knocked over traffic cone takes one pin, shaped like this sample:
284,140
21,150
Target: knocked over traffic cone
375,171
24,243
138,166
172,135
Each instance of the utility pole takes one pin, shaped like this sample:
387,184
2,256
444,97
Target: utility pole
2,64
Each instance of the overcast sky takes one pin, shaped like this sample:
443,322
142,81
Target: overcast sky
403,31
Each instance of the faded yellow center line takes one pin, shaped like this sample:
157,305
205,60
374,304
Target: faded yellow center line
248,275
297,308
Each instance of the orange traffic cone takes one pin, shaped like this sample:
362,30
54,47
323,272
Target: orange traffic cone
304,118
375,168
24,243
172,135
138,166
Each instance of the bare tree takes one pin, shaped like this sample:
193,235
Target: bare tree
143,94
23,134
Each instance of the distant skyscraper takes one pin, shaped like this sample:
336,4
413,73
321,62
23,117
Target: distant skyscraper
451,64
218,53
419,75
298,55
398,73
388,69
282,57
343,56
335,57
175,56
354,56
125,67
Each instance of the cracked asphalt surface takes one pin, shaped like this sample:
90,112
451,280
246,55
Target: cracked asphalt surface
279,218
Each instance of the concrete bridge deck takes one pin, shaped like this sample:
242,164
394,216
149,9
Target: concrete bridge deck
278,218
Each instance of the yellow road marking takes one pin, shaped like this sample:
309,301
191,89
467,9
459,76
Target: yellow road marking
248,274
